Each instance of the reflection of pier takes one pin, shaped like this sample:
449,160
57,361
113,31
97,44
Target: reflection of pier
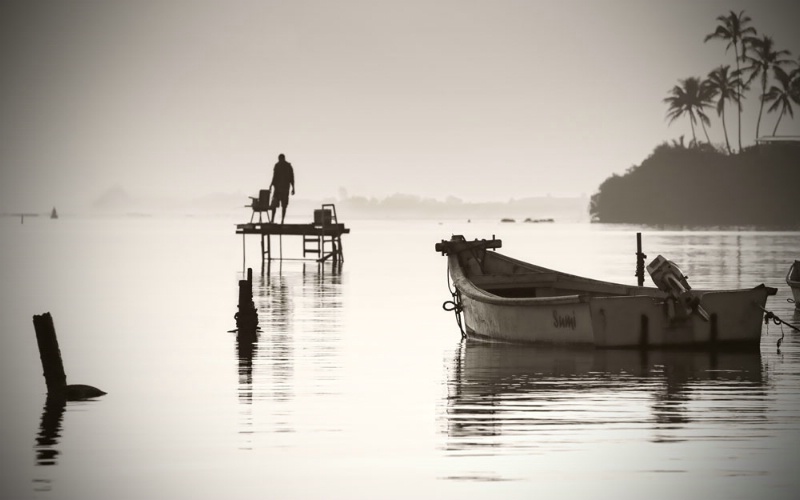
522,396
293,363
321,238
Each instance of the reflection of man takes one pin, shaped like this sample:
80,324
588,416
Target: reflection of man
282,178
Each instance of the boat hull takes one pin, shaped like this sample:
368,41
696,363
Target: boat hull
556,323
793,280
621,322
735,320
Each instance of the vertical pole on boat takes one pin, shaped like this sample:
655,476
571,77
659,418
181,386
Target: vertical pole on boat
639,260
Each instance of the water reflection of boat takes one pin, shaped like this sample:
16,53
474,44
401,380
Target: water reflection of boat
508,300
793,280
514,390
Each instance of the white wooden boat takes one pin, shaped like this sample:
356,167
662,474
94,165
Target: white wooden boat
506,300
793,280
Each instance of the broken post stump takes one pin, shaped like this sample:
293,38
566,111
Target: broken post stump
54,376
49,352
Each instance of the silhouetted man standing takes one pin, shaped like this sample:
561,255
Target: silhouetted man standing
282,178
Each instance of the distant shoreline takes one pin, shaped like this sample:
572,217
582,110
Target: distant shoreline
405,206
701,186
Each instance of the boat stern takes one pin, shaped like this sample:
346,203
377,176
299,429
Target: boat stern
732,318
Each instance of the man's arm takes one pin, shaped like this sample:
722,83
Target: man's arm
291,178
272,182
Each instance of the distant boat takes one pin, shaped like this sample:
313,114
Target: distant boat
539,220
793,280
54,214
506,219
508,300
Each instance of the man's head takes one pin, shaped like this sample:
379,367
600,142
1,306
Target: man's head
281,157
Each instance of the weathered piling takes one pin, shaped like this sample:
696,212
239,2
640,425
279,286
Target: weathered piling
247,316
54,376
49,352
640,257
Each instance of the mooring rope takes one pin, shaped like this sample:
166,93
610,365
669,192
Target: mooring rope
769,315
454,305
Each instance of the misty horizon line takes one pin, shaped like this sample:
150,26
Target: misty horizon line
118,202
117,198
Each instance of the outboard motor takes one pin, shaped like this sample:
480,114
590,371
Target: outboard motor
669,278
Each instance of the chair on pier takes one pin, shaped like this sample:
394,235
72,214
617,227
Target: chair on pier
259,205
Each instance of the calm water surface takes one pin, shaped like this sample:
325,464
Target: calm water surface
359,385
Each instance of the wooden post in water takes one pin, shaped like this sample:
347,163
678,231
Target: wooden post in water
246,317
53,367
49,352
639,260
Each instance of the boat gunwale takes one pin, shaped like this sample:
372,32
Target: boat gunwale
474,291
468,288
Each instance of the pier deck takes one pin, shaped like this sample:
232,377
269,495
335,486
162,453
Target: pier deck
267,228
321,238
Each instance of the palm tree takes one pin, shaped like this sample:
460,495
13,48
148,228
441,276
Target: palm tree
690,98
723,86
763,59
734,29
782,96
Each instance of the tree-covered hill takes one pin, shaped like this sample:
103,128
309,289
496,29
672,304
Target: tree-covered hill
703,186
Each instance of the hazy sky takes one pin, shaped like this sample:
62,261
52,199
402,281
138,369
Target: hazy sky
483,100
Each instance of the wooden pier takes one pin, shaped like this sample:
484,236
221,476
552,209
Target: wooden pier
322,238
